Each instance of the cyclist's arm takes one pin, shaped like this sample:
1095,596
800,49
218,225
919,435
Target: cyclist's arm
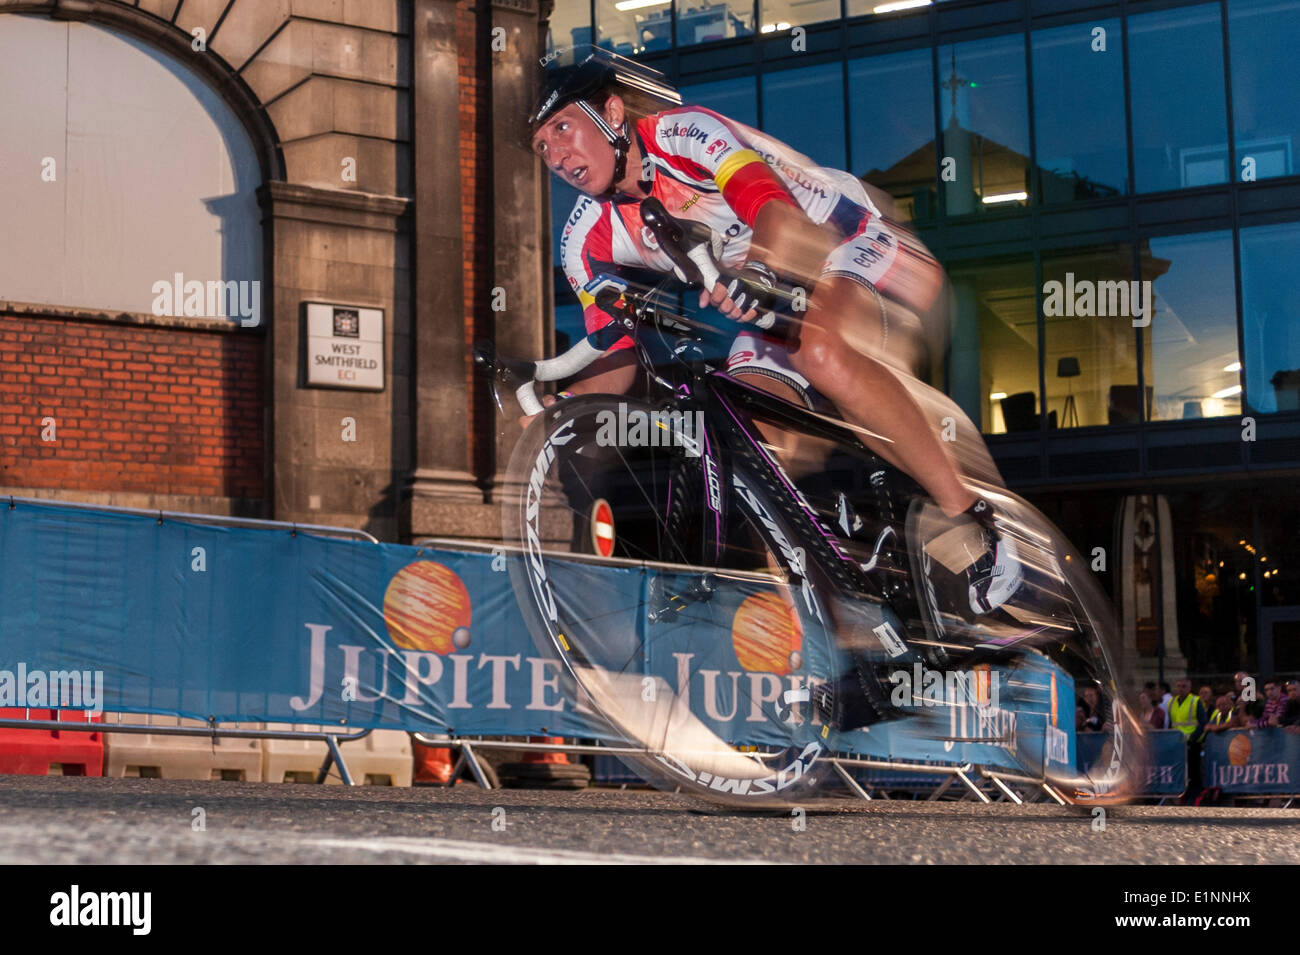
701,144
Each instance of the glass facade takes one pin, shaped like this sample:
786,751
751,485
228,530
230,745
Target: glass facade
805,108
699,21
1180,123
985,118
1190,344
736,99
893,149
1079,112
1265,112
1270,304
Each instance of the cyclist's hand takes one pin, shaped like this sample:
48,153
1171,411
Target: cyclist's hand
751,293
526,420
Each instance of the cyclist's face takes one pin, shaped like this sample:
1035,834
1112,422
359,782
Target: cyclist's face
576,151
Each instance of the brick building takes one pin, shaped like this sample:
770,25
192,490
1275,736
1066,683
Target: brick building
355,154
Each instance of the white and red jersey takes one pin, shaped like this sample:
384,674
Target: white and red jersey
707,169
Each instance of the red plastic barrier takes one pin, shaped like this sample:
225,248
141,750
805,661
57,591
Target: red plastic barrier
32,752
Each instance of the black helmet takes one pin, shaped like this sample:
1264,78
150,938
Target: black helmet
582,73
567,84
590,72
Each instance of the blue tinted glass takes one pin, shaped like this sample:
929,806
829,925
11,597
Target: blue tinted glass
1179,116
1270,302
805,110
985,124
640,29
1264,35
1079,111
699,21
736,99
1191,343
569,326
891,123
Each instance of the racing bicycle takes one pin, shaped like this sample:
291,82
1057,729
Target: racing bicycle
728,578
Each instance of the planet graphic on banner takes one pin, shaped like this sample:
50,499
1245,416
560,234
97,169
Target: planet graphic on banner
426,607
1239,750
766,635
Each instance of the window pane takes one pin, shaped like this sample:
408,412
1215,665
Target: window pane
570,25
894,148
1192,338
1079,111
985,124
121,213
1091,351
782,14
624,31
805,109
1180,121
736,99
1270,302
994,353
1265,112
700,22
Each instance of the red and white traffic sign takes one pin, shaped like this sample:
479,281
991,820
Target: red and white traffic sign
602,527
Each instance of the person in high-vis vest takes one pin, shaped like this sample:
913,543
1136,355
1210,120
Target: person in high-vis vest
1187,713
1225,716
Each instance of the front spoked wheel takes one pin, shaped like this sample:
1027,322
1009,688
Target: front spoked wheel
696,639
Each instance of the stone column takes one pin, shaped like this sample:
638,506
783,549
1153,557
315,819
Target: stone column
520,205
444,496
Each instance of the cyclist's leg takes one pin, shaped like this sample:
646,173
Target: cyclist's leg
840,351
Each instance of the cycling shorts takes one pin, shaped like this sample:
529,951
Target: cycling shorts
753,353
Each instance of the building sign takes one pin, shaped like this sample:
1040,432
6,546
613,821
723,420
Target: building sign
345,346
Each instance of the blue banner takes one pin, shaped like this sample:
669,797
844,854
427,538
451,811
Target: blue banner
271,625
1262,762
1166,771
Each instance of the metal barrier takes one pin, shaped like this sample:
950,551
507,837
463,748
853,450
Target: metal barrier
468,759
220,519
331,740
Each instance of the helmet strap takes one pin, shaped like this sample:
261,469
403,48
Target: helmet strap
618,139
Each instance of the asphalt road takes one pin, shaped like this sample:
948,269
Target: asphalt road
70,820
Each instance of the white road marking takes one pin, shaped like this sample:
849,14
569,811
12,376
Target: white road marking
467,851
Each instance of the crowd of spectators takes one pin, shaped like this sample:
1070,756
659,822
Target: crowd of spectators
1214,711
1209,710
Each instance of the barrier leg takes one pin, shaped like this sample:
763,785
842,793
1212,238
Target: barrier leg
1007,790
467,754
849,780
336,757
972,787
943,788
1051,791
